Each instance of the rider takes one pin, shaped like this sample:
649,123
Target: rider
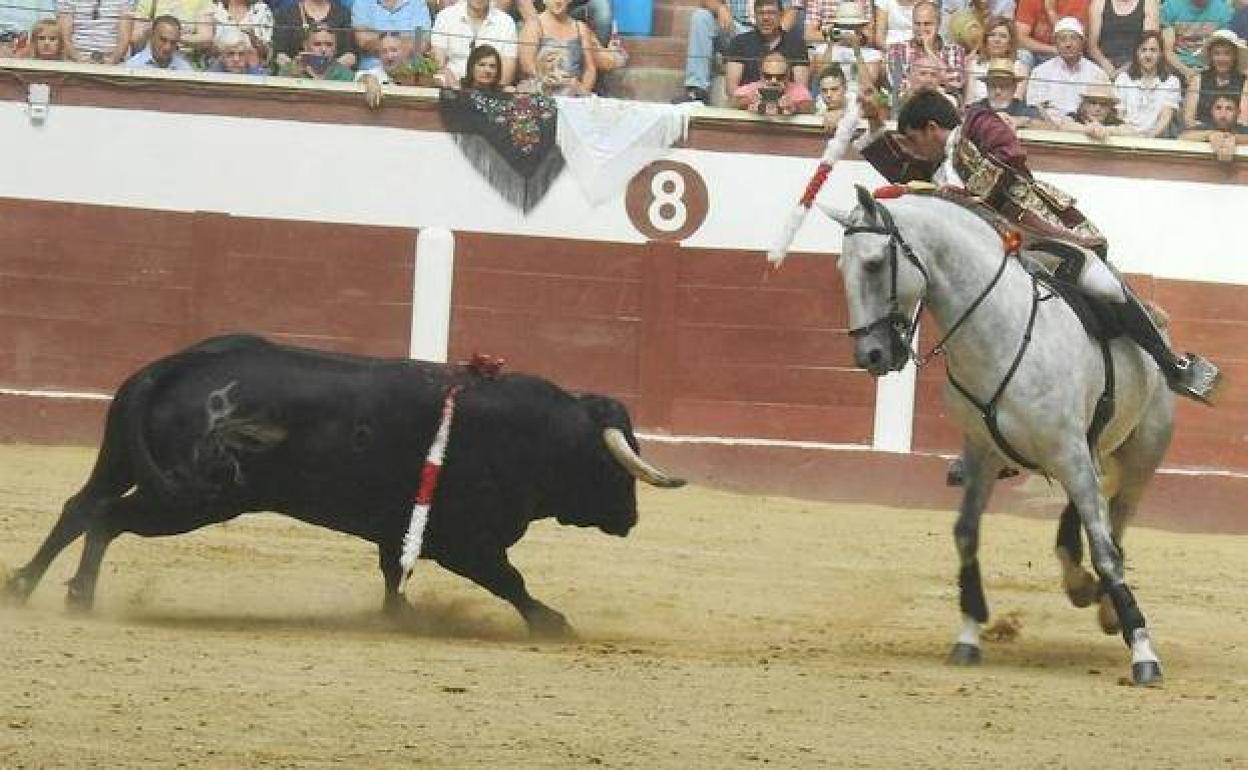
982,155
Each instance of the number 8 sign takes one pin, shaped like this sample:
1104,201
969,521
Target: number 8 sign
667,201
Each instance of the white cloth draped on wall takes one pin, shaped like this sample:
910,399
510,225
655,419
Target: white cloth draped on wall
605,142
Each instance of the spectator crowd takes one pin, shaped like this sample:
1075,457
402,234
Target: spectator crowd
1101,68
1150,68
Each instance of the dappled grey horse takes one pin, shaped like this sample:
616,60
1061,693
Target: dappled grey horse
1027,385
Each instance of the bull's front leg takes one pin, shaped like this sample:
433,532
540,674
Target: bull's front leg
389,552
493,572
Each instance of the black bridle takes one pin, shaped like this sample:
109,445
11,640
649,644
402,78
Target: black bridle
901,329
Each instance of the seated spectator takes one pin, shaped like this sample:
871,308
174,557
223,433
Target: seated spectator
832,28
832,97
1148,92
319,58
1223,57
560,47
291,23
774,93
1000,42
161,51
1222,132
236,54
484,70
1057,85
1186,26
251,18
197,17
746,51
369,18
927,73
926,43
1097,114
96,31
598,14
712,28
1115,31
392,68
1001,86
17,18
1037,26
456,32
46,41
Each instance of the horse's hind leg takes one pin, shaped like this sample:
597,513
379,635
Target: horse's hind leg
981,470
1137,460
1082,486
1081,586
109,480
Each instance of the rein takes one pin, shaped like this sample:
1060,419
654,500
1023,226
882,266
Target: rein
899,325
903,329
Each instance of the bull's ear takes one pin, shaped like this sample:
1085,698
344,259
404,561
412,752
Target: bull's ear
866,201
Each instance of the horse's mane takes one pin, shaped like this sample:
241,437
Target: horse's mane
931,207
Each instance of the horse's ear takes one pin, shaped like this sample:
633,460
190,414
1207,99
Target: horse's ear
866,201
842,218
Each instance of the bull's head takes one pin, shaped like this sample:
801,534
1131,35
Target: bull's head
610,465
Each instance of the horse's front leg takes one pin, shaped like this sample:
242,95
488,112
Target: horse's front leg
981,468
1083,489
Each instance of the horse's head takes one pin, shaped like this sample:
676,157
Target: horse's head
884,282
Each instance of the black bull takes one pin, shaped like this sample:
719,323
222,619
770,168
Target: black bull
238,424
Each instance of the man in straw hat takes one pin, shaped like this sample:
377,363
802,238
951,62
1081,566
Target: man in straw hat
983,155
1001,79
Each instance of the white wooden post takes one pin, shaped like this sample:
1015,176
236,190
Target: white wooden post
894,408
431,294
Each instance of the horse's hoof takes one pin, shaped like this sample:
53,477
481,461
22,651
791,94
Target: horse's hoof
1084,592
549,625
1146,673
964,654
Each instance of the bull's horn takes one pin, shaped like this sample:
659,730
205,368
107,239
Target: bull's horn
641,470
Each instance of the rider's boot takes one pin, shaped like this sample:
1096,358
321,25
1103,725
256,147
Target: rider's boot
1191,375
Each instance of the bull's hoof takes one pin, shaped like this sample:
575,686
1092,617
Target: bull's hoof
1146,673
964,654
550,626
78,599
17,590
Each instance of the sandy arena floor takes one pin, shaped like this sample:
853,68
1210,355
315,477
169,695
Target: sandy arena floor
727,631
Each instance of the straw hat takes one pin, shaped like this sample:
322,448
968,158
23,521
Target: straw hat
1100,92
849,15
1001,68
1227,37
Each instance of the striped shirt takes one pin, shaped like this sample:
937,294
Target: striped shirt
95,23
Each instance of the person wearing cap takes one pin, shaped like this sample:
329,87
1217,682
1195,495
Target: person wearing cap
1186,26
1056,86
1001,80
1224,57
982,155
1037,20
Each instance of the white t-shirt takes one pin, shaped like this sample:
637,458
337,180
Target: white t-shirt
1142,101
455,34
1057,89
900,21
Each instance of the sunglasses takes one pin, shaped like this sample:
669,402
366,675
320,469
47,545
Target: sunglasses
774,78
